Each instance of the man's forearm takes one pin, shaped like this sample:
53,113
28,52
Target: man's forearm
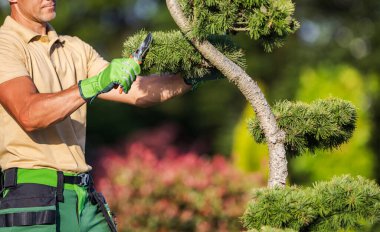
149,90
43,110
33,110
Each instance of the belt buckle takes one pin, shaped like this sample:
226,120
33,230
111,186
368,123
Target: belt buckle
84,179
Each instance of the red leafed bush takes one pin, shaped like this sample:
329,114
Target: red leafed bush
173,191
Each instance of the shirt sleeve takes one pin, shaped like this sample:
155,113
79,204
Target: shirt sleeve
12,59
95,62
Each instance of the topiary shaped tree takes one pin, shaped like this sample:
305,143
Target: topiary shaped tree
202,50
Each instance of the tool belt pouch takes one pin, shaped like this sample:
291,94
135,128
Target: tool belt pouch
28,206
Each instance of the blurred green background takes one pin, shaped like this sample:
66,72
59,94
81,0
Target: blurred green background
335,53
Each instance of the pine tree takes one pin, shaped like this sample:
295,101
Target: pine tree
202,50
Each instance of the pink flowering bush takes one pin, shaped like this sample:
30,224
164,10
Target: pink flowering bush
152,188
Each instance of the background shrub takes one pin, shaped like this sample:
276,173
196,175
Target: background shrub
157,187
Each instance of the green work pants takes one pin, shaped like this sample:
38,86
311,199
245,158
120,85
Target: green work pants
31,207
79,218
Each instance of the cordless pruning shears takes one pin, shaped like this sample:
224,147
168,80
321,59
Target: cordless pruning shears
140,53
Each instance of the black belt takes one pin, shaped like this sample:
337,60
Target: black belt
83,179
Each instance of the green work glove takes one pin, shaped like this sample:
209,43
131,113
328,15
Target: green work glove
120,72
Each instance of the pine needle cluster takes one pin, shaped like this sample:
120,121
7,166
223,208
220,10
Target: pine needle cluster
171,52
323,124
269,21
344,203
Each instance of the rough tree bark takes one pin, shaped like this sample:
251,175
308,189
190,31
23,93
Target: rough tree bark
278,170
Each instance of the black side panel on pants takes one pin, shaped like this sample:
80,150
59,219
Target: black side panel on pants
28,205
29,195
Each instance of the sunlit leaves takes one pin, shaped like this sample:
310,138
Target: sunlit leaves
344,203
269,21
324,124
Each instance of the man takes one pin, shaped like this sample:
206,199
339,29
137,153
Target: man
45,81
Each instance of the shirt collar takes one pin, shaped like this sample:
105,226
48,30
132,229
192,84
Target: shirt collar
28,35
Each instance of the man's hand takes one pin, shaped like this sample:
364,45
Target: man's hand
120,72
150,90
195,82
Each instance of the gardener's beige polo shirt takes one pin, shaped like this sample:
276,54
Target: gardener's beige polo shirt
54,63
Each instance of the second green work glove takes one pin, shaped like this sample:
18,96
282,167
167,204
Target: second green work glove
120,72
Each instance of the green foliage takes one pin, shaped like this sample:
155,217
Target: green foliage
344,203
323,124
355,157
171,52
269,21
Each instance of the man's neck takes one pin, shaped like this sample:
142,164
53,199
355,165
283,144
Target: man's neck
39,28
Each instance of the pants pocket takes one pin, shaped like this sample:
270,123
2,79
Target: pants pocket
28,207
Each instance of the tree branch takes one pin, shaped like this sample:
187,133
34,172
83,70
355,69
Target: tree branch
237,29
249,88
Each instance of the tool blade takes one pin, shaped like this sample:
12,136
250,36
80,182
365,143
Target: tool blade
144,47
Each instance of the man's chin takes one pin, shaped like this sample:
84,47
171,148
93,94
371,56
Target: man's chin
48,17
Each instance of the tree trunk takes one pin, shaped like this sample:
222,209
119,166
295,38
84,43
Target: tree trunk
278,170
